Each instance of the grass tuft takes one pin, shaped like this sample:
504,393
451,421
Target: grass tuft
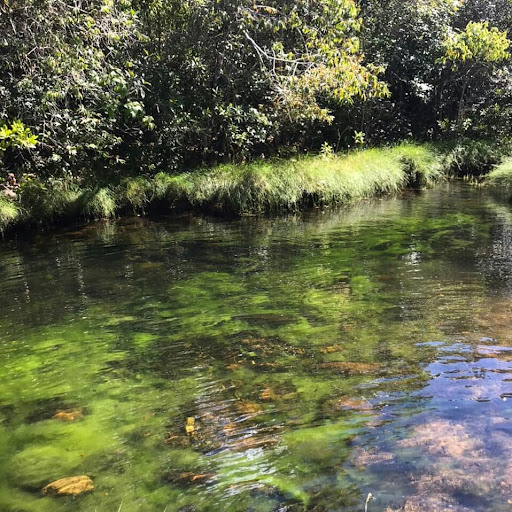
99,204
136,192
9,213
499,180
312,180
46,203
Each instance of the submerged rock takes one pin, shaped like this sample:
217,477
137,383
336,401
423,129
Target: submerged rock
348,403
364,457
177,441
431,503
351,368
69,486
443,438
247,407
68,415
189,478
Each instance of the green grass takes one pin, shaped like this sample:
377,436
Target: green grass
98,204
258,187
499,180
313,180
9,213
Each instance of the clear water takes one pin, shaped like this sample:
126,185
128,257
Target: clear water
283,364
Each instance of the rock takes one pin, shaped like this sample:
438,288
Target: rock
70,486
189,478
68,415
177,440
347,403
364,457
251,443
351,368
331,349
443,438
249,408
431,503
267,394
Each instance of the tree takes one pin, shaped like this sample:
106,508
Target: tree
67,73
472,55
404,37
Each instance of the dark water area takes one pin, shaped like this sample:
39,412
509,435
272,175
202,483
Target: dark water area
328,361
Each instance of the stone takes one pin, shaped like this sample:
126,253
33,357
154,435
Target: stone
351,368
70,486
68,415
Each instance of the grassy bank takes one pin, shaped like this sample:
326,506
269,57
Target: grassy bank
263,186
499,180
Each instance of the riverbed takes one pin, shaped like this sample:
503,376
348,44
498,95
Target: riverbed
327,361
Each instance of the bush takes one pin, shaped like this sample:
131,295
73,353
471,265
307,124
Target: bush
473,157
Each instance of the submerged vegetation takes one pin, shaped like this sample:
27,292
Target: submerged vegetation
293,363
304,362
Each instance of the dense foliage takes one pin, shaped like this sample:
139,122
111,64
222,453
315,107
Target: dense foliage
96,91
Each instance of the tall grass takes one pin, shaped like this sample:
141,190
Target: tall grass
499,180
98,204
9,212
262,186
313,180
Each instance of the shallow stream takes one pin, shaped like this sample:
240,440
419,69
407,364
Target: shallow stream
264,364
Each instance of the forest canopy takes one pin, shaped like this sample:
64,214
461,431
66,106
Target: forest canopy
98,90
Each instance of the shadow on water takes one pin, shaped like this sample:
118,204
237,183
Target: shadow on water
295,363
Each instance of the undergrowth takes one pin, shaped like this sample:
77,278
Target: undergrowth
472,158
9,212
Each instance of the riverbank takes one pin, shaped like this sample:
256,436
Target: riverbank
263,186
258,187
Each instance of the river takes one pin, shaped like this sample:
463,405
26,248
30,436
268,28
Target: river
326,361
